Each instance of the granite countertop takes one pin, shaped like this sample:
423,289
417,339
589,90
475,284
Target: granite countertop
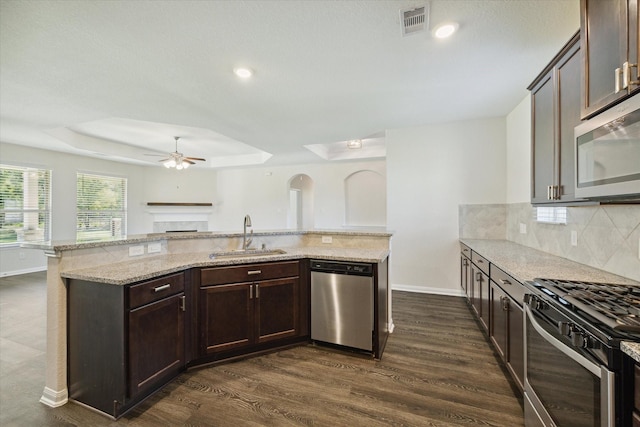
58,246
525,263
140,269
632,349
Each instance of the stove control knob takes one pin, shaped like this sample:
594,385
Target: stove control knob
564,328
578,339
539,304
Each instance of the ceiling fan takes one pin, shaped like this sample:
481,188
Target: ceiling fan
178,160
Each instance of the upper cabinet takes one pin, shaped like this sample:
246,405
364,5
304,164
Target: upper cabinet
609,44
555,111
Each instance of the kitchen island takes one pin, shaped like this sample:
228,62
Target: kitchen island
116,263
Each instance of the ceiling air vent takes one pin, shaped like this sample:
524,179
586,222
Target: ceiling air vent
414,20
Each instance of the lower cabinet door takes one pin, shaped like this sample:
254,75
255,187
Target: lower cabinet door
277,309
227,320
156,343
499,320
516,343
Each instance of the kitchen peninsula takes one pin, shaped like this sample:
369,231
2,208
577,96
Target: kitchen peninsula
130,266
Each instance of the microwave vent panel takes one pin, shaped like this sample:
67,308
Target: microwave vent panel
414,20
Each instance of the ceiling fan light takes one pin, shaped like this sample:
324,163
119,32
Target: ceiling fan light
354,144
170,164
185,165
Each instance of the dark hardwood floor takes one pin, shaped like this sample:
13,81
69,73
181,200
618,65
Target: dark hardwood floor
437,370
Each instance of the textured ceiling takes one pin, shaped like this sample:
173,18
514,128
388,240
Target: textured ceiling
325,71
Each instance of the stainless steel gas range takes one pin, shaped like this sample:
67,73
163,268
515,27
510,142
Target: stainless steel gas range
575,373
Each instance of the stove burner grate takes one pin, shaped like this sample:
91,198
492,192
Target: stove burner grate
617,306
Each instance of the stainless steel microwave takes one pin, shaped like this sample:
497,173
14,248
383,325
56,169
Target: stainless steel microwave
607,155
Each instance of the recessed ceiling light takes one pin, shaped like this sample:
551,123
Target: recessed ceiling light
243,73
445,30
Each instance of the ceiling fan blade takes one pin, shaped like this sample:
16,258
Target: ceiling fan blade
188,161
164,160
155,155
196,158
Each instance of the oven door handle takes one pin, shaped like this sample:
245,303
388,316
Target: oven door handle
583,361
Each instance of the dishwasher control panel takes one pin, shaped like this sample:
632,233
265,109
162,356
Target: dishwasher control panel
339,267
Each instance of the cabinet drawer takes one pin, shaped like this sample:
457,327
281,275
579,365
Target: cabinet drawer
481,262
247,273
465,250
508,284
153,290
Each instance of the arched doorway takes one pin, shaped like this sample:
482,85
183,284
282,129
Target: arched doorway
300,212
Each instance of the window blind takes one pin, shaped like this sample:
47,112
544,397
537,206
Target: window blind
25,205
101,207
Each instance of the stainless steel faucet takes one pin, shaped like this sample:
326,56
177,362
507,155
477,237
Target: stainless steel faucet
247,223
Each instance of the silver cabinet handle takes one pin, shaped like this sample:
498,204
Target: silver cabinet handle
162,288
617,75
479,276
183,303
252,272
257,291
505,282
251,292
626,75
548,192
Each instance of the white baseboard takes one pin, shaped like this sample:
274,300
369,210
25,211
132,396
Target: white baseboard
54,398
25,271
428,290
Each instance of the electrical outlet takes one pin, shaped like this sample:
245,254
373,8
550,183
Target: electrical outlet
523,228
136,250
574,238
154,247
327,239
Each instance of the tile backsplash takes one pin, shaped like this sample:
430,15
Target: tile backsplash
608,236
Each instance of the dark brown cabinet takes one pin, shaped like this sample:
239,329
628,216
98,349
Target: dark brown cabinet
496,299
465,270
609,42
124,342
244,307
480,288
555,111
636,400
156,335
507,322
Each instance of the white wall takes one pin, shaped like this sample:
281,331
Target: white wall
263,193
366,199
519,152
430,171
144,184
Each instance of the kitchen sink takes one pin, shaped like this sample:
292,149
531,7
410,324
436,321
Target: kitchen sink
241,253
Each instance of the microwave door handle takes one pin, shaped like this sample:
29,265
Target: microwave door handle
585,363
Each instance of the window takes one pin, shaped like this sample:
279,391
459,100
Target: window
25,205
101,207
551,215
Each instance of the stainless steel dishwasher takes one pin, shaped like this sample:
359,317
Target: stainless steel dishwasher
342,303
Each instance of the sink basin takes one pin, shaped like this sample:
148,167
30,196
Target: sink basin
240,253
